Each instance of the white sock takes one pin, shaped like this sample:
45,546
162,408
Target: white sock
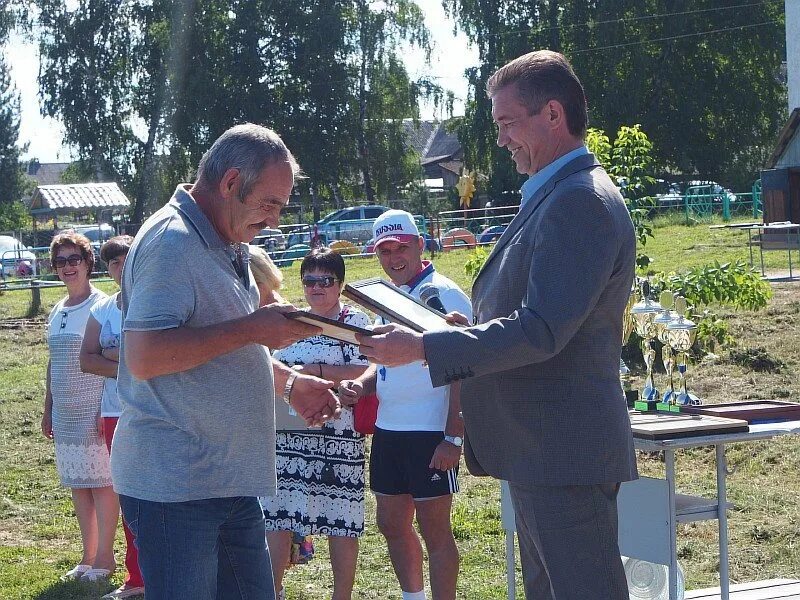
414,595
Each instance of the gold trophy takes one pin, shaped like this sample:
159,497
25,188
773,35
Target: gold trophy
627,328
644,314
681,334
664,318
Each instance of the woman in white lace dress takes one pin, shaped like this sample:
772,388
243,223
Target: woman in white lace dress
320,472
72,403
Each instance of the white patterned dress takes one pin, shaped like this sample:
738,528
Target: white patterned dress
81,455
320,472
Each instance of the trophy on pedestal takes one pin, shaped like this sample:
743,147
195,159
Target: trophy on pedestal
644,314
627,328
664,318
681,334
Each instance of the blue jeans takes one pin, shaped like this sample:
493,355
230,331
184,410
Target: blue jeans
212,549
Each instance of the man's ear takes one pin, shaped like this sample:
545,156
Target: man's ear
421,243
555,113
229,184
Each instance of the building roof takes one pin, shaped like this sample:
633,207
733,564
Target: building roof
431,140
785,138
82,197
46,173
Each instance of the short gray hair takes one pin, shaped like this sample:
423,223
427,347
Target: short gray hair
247,147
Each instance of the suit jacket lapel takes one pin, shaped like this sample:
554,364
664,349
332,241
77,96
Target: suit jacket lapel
578,164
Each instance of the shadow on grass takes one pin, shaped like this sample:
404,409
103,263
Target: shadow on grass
73,590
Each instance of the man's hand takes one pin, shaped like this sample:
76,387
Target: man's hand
350,391
456,318
47,425
274,330
393,345
314,400
446,456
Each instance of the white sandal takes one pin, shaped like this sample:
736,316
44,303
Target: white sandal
76,572
96,575
124,592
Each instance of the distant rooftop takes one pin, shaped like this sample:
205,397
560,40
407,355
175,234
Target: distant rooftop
46,173
431,140
82,197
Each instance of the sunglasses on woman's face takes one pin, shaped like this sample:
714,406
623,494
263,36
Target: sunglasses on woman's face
327,281
73,259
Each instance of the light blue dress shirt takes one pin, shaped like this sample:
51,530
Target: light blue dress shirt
537,180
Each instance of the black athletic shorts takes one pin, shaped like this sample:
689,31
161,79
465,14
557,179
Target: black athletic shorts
399,464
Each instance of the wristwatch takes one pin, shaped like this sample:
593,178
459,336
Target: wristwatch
454,439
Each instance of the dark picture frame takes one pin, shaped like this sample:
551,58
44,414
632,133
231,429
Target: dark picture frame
396,305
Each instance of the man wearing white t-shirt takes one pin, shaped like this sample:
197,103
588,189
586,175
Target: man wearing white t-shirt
418,433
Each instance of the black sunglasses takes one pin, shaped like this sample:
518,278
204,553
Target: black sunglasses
73,259
327,281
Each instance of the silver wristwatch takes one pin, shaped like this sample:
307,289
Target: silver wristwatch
454,439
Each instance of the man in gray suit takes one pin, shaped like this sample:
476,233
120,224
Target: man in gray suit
541,397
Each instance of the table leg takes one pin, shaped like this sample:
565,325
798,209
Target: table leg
510,565
669,463
750,246
761,250
722,520
789,250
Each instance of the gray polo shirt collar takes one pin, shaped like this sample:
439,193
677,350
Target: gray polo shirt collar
183,201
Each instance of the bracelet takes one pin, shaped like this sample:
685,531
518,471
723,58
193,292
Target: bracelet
287,389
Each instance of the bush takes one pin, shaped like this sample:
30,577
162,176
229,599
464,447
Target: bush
475,261
731,284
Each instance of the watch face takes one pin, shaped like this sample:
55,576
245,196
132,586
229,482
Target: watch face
455,440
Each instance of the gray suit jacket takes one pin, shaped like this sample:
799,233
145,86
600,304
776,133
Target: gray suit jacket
541,395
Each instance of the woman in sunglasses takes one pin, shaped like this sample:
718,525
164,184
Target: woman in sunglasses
72,401
320,472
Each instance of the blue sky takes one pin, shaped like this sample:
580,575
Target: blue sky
450,57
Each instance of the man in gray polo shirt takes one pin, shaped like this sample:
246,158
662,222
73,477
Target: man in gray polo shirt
195,444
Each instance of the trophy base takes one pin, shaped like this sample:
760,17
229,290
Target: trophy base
631,397
667,407
645,405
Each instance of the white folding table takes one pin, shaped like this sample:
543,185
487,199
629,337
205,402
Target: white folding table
650,508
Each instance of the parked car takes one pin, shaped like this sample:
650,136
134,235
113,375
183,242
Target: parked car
15,257
272,240
97,233
353,224
707,190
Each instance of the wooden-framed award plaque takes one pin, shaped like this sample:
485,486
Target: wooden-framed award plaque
749,410
332,328
394,304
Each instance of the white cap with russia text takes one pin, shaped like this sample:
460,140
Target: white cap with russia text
395,226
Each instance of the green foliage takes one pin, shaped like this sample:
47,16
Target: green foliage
733,284
598,143
629,160
11,177
702,78
190,70
13,216
713,332
475,261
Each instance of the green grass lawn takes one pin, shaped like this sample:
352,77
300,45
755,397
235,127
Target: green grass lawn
39,537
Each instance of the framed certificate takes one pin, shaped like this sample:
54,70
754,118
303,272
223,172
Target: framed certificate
338,330
393,304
